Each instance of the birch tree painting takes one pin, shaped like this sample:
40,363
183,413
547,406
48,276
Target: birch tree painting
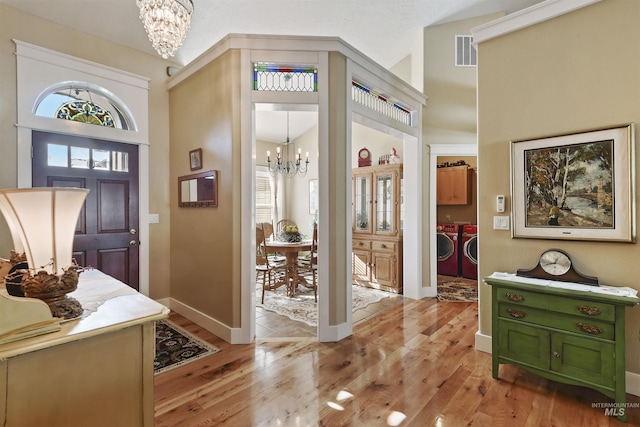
570,185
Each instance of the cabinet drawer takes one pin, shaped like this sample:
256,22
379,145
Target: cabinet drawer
586,309
383,246
576,324
362,245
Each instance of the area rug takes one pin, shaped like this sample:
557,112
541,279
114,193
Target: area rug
177,347
457,290
302,307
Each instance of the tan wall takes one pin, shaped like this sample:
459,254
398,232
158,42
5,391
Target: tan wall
450,116
18,25
577,72
205,242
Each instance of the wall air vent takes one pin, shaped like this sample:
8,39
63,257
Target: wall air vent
465,52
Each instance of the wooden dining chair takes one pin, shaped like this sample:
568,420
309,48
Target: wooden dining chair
282,223
271,271
310,262
267,227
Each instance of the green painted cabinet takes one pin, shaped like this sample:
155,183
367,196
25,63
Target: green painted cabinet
570,336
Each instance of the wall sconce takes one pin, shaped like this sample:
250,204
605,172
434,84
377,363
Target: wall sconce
42,223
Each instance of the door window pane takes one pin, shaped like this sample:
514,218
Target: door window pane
101,160
79,157
120,161
57,155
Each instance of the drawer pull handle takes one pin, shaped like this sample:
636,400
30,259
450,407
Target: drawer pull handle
556,354
589,310
360,243
517,314
589,329
383,246
514,297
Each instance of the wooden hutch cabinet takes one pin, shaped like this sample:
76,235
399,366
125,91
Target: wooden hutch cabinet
453,185
377,227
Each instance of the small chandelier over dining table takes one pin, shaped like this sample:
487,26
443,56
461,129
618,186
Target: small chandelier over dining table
167,23
285,164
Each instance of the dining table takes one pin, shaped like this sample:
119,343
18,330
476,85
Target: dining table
290,251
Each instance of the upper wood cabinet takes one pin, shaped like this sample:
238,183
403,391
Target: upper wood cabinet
454,185
377,227
377,200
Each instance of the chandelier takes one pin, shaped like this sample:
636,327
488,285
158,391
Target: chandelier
166,22
285,164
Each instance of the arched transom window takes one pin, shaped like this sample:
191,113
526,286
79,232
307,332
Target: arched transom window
83,103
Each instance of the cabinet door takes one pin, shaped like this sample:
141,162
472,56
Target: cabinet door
386,200
383,269
524,344
361,266
362,202
452,186
585,359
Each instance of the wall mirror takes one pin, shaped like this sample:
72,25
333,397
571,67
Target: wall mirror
198,190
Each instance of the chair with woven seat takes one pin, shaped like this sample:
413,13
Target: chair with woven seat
270,270
310,262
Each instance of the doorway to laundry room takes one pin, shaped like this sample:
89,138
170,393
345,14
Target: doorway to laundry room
456,224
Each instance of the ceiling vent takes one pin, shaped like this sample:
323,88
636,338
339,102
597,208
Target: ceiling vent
465,52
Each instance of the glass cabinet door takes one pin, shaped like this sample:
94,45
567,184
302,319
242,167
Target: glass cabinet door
385,203
362,203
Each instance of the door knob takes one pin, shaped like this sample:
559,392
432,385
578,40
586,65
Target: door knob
133,243
133,231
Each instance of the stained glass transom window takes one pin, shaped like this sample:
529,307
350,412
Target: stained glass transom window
272,77
378,102
80,104
85,112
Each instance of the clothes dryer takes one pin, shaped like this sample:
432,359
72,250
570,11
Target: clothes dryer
448,242
469,248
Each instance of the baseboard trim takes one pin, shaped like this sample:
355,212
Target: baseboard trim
483,342
219,329
632,383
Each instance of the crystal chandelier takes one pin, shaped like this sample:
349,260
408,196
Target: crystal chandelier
166,22
285,164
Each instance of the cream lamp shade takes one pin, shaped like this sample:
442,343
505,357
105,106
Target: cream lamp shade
12,222
44,220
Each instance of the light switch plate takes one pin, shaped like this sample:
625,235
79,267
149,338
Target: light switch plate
500,222
154,218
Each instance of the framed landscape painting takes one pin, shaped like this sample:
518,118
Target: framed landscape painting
575,187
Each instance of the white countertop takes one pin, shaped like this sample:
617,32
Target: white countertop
108,304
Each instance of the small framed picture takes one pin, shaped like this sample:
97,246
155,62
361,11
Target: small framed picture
195,159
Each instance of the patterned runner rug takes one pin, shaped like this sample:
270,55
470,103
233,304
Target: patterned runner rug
302,307
176,347
457,289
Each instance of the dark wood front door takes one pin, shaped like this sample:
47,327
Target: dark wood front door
107,231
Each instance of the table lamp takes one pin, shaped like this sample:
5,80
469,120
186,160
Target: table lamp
42,222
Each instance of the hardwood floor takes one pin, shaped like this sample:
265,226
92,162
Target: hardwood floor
415,360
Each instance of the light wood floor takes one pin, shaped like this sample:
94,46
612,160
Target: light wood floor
416,359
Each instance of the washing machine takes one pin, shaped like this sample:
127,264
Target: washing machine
448,241
469,247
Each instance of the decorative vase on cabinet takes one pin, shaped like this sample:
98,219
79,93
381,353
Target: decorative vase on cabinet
377,227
